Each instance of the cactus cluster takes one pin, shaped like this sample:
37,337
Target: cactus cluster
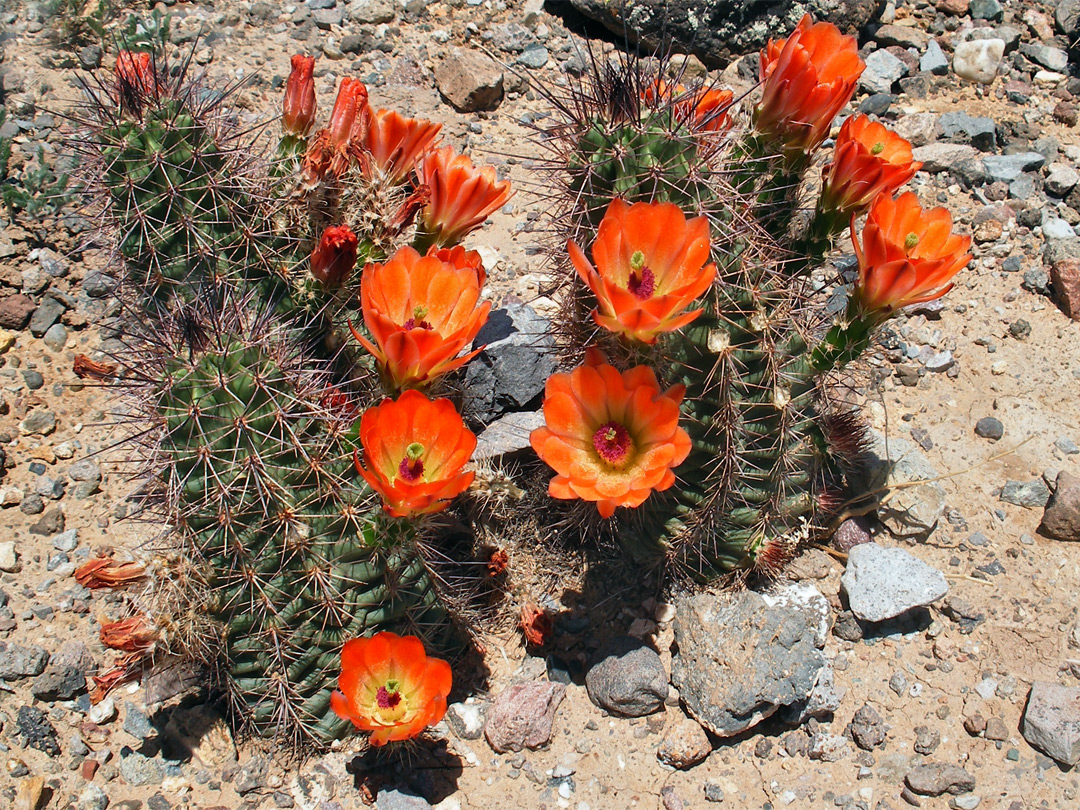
293,314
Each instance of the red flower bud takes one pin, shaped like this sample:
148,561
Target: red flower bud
298,116
134,80
351,102
334,258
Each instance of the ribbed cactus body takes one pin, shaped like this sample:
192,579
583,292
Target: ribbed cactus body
291,558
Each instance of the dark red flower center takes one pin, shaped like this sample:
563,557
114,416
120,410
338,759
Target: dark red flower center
412,465
613,443
387,699
642,281
417,320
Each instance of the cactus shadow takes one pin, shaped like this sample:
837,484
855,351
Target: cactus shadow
424,767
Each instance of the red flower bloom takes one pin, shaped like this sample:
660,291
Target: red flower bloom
868,160
808,78
421,312
298,114
396,143
414,452
650,264
462,195
907,255
611,437
390,687
334,258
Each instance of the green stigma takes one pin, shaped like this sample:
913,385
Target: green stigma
877,149
911,241
414,451
637,261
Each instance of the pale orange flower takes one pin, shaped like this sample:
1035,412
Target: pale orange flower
650,265
396,143
868,160
421,311
462,196
414,452
298,109
611,437
390,687
907,255
808,78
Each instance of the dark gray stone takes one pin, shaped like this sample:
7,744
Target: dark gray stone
739,659
628,679
986,10
882,583
980,132
59,683
394,799
48,312
877,104
867,728
136,722
719,31
97,285
17,661
989,427
1050,58
1029,494
515,364
252,775
1051,721
1008,167
36,729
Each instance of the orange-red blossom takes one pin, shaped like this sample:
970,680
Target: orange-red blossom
612,437
414,451
421,311
298,109
396,143
390,687
334,257
705,108
808,78
462,195
650,265
868,160
907,255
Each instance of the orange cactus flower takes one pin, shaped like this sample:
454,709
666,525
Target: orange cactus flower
414,452
334,258
650,264
705,108
611,437
868,160
462,196
396,143
808,78
907,255
390,687
298,113
134,79
105,572
421,312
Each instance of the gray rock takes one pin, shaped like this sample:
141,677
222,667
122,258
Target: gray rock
933,779
469,80
535,57
41,422
934,60
905,36
942,157
739,660
719,31
628,679
986,10
911,511
989,427
919,128
980,132
507,434
1029,494
883,69
138,770
467,719
684,744
978,60
93,798
882,583
522,714
1051,721
66,541
1008,167
1061,519
826,747
516,362
252,775
824,699
55,337
877,104
1067,446
1067,16
1055,228
327,18
90,57
1060,179
371,12
33,724
48,312
867,728
136,722
97,284
17,661
394,799
59,683
1050,58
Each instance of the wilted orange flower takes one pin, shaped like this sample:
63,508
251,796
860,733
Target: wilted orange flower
396,143
868,160
133,634
298,114
650,264
907,255
341,144
462,196
334,258
105,572
414,452
535,624
390,687
611,437
421,312
808,78
84,367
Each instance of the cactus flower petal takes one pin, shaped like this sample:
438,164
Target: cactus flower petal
907,255
396,143
612,437
414,450
390,687
650,265
421,311
868,160
462,195
808,78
